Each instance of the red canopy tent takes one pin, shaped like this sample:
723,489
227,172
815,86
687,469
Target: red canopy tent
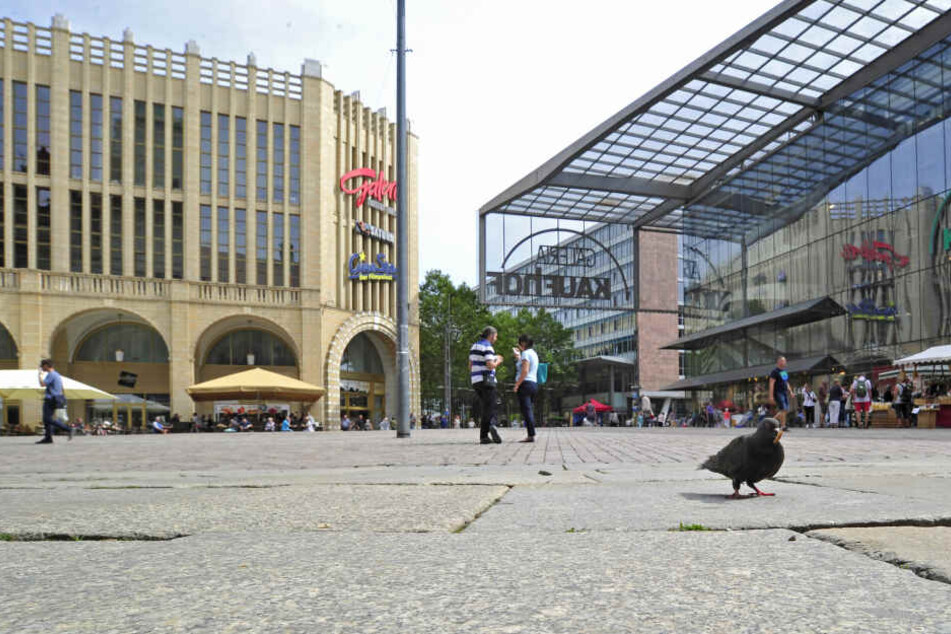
598,407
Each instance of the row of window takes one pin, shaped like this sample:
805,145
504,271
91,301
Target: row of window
218,160
99,233
20,219
236,252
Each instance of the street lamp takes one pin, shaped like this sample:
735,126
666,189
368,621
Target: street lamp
250,358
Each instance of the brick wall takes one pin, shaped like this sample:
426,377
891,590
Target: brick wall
657,285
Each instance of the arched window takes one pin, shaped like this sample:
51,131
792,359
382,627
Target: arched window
139,344
8,348
361,356
234,348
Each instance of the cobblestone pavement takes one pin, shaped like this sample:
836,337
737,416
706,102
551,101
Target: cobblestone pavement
586,530
574,447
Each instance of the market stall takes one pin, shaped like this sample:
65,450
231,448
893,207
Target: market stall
932,376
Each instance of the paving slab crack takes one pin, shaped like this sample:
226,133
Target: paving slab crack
460,528
922,570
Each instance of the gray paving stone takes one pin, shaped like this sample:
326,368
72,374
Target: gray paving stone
664,505
927,550
163,513
593,583
919,487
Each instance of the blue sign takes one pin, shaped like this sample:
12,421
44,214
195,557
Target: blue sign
866,309
364,271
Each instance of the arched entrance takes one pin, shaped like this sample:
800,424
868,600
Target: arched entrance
118,352
9,354
362,379
380,332
236,344
9,360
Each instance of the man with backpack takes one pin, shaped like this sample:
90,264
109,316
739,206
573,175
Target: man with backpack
862,400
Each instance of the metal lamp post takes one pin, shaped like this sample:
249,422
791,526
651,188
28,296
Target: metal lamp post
402,233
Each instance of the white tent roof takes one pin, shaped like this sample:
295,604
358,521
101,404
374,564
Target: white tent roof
936,354
19,385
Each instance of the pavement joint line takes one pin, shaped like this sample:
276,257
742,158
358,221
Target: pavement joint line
64,537
462,527
922,570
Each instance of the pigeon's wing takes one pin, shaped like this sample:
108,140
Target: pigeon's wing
763,463
729,460
779,457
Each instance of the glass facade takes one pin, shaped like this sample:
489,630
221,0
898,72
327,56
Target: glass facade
95,233
75,134
277,165
43,145
178,241
261,158
43,228
2,128
19,127
115,139
878,244
224,154
158,238
294,182
277,249
139,237
204,239
261,242
75,231
95,138
294,244
139,344
21,222
235,347
115,235
241,157
240,247
223,249
205,153
158,145
139,138
178,145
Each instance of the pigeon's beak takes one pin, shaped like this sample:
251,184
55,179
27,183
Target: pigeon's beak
779,434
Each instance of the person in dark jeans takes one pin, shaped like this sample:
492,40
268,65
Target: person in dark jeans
526,382
53,400
482,364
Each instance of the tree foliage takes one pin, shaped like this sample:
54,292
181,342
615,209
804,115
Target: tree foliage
456,310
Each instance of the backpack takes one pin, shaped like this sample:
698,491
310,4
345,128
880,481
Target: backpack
861,388
542,373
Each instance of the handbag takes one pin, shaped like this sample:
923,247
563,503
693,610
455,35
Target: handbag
489,379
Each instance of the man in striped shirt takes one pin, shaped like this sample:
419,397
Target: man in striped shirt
482,364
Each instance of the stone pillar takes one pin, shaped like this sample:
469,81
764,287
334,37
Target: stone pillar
656,308
181,350
32,342
192,155
59,146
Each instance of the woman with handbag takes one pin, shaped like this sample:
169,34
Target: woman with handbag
53,400
482,364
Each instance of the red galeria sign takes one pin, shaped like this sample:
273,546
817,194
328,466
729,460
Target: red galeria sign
378,189
875,252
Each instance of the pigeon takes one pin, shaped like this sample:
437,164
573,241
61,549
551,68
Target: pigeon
750,458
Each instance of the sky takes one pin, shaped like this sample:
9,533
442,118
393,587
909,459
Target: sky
494,87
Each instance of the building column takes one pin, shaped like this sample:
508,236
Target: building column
192,155
181,351
59,146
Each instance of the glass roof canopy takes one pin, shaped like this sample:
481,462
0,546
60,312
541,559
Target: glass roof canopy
758,130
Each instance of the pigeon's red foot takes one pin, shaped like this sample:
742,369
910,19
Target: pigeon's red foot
736,496
762,493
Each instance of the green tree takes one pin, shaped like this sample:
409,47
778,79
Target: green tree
456,310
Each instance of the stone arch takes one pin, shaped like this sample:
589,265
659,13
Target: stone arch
78,325
214,332
385,329
9,349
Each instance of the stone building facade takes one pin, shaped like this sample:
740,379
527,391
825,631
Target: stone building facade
180,218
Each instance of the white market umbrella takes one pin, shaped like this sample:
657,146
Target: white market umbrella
129,399
933,355
23,385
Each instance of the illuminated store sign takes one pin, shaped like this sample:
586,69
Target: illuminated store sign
867,310
875,252
368,230
379,189
551,286
364,271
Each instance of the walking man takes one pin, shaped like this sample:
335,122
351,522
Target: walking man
780,391
482,364
862,400
53,400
